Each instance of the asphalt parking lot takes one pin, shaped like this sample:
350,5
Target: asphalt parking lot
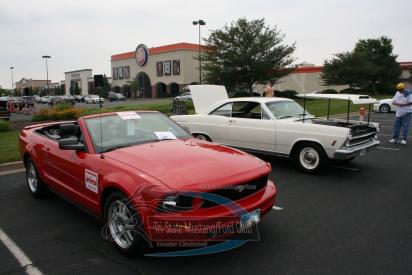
353,218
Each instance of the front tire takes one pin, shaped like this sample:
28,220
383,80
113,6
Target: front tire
385,108
34,183
310,157
124,225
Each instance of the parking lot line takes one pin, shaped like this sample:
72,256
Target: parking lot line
23,260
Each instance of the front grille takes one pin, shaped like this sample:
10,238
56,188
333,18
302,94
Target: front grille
361,134
237,192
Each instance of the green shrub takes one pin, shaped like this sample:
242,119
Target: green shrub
62,106
57,114
4,126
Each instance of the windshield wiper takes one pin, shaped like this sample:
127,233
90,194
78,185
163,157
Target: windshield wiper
116,147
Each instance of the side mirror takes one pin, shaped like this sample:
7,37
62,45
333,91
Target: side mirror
71,143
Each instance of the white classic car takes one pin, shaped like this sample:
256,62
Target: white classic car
278,126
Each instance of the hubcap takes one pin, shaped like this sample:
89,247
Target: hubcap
309,158
384,109
121,224
32,177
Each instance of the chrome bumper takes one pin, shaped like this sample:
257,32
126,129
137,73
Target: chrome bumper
347,153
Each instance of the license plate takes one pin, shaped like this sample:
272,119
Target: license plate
249,219
362,152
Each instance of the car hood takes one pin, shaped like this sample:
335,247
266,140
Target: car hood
191,164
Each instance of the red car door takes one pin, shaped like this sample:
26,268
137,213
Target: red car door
73,174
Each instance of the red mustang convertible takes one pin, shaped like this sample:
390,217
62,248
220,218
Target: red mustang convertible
138,170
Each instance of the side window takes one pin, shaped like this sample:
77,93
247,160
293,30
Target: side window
247,109
224,110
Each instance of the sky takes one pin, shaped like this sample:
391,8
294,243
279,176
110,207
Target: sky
84,34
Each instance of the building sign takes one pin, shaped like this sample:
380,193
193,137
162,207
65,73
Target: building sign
168,67
142,54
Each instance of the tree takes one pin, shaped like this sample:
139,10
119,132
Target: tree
371,65
346,68
246,52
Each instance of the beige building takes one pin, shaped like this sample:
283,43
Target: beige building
306,79
34,85
161,71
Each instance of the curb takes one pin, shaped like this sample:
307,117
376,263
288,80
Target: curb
11,166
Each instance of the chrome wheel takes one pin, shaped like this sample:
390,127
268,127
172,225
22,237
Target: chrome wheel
121,224
32,179
309,158
385,108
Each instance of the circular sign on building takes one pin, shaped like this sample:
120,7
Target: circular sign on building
142,54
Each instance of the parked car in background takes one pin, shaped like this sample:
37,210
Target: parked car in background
26,101
78,98
93,99
45,99
385,106
37,99
184,96
69,99
4,112
278,126
116,97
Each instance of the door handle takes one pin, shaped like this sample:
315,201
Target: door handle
47,149
232,120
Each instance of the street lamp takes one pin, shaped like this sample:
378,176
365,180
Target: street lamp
47,72
200,22
12,80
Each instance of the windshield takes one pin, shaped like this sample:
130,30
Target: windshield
131,128
285,109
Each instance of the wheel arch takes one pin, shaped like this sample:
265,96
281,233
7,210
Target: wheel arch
298,143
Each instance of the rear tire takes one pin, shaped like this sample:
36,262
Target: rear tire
124,225
385,108
34,183
310,157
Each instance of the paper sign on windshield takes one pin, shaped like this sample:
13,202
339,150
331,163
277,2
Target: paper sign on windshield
165,135
128,115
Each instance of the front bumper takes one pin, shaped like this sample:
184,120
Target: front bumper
262,200
348,153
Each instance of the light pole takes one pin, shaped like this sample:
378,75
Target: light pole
12,80
200,22
47,73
